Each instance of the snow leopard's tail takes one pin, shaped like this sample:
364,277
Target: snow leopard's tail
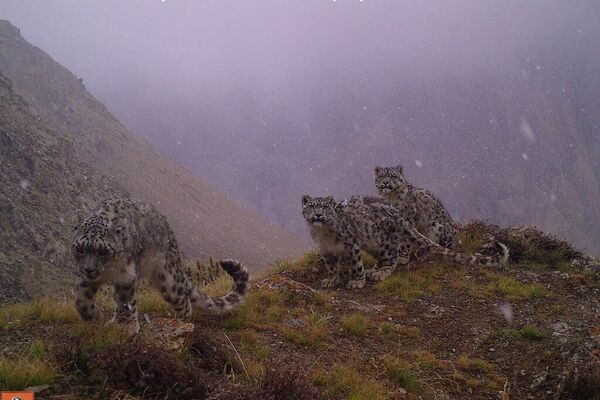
235,297
476,260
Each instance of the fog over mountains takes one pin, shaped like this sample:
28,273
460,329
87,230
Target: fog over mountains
495,107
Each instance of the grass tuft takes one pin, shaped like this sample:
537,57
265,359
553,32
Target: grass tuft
428,361
407,286
475,365
310,259
399,372
515,290
530,332
17,374
313,334
347,383
355,324
37,349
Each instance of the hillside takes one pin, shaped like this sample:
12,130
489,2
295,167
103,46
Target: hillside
206,220
433,330
43,186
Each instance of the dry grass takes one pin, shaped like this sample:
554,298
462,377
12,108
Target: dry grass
345,382
17,374
313,333
356,324
407,285
475,365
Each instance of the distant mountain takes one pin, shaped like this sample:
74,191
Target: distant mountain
62,151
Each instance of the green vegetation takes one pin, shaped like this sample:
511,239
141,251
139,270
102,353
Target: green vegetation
428,361
96,337
528,332
475,365
346,382
387,329
251,343
515,290
310,259
262,308
407,285
399,372
37,349
528,246
17,374
355,324
314,333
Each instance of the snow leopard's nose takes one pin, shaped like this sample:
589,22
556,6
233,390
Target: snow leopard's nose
318,217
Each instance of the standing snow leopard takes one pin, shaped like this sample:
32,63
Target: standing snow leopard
420,207
123,241
342,230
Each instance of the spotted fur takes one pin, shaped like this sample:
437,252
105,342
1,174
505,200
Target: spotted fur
123,241
342,229
418,206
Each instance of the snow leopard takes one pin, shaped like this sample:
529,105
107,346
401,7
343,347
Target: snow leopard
418,206
342,230
123,241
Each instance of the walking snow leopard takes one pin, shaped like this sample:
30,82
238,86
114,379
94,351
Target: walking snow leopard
123,241
418,206
342,229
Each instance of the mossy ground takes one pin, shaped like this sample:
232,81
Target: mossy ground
433,330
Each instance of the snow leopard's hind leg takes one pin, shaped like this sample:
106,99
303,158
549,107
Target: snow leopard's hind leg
387,260
171,281
442,233
353,258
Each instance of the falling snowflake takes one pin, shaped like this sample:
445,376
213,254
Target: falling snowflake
526,130
25,184
419,163
525,156
507,312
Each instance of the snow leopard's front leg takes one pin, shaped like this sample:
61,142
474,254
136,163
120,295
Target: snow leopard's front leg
333,274
126,302
353,258
85,300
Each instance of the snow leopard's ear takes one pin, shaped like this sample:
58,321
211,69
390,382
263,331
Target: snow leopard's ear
400,169
305,199
378,170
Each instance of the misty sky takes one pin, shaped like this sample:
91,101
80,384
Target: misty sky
271,99
203,45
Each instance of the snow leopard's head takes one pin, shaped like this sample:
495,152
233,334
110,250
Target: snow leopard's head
96,242
318,211
390,181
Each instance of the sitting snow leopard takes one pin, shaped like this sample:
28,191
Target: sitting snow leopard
342,230
123,241
420,207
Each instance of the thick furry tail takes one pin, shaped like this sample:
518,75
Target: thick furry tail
476,260
235,297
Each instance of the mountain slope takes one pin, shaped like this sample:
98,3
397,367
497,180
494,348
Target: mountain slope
435,330
206,221
43,186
